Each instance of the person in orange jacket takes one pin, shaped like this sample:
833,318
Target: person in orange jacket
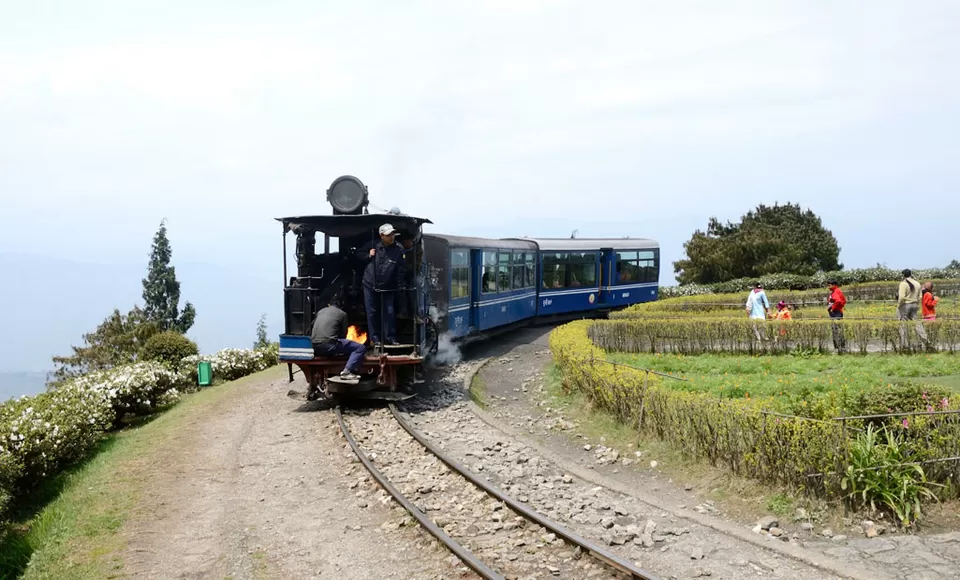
929,302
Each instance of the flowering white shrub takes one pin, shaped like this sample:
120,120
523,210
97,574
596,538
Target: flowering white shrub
47,431
229,364
42,434
134,388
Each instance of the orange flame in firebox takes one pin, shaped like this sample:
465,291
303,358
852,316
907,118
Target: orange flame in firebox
354,334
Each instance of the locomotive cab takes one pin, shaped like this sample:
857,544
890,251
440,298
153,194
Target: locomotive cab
331,253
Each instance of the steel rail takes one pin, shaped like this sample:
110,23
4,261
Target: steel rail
523,509
466,556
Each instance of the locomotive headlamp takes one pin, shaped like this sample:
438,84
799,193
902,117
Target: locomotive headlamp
347,195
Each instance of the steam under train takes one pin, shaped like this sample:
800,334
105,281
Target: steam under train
462,287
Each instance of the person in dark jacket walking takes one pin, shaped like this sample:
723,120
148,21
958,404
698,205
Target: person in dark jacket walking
381,279
329,338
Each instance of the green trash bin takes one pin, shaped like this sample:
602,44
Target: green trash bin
204,374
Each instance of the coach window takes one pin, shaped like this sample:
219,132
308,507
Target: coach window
554,270
459,274
517,270
636,267
489,281
530,270
647,266
503,272
582,270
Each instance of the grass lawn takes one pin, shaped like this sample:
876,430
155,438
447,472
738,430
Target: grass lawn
72,529
793,382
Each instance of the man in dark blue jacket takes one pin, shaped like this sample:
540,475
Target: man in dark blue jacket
381,278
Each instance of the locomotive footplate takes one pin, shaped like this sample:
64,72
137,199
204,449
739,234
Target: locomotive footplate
378,377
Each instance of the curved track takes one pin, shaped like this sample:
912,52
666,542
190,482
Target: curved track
605,556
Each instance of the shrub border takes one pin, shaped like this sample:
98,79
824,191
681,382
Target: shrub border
809,455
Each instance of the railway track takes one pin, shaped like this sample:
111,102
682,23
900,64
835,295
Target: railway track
487,529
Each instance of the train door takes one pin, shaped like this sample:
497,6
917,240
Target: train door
460,277
476,281
607,259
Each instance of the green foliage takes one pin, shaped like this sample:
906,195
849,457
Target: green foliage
880,476
116,341
806,299
768,240
42,435
161,290
780,504
262,341
816,386
743,336
168,347
737,430
786,281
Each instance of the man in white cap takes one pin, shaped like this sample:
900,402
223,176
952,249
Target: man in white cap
381,278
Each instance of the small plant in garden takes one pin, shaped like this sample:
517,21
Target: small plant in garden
880,476
780,504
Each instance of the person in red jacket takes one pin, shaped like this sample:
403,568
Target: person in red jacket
835,309
928,303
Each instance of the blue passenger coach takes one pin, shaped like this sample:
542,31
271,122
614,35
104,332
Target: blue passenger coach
478,284
579,275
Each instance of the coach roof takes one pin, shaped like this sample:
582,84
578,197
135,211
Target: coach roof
587,244
483,243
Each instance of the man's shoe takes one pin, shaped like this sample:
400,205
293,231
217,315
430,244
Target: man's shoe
349,376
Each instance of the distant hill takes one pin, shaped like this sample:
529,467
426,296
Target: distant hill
15,384
51,302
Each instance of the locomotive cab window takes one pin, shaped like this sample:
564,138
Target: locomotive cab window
459,274
637,267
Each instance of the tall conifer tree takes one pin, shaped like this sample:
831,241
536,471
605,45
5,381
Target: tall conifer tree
161,290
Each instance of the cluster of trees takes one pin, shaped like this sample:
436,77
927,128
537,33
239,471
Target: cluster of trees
154,332
767,240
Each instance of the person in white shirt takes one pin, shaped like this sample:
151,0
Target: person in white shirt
757,308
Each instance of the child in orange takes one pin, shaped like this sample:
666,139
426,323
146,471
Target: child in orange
783,313
928,302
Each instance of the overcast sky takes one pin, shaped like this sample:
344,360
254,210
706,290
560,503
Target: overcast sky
496,118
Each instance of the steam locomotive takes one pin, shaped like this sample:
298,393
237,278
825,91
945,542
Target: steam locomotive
462,287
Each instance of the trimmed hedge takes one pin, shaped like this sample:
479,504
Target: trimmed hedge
724,334
812,298
43,434
739,433
818,280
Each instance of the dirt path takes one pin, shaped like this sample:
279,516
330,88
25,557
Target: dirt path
254,487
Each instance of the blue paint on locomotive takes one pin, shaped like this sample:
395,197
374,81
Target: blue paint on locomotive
294,347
